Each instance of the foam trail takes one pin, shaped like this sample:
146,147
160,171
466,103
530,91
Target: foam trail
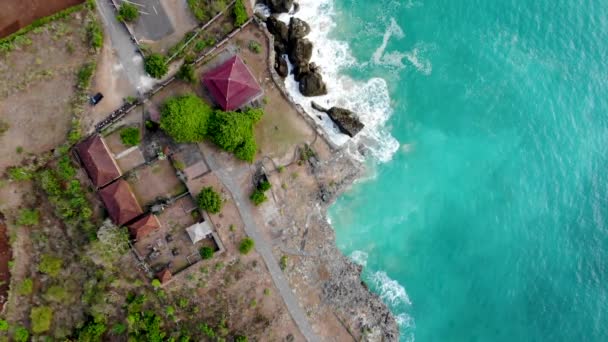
393,29
370,99
359,258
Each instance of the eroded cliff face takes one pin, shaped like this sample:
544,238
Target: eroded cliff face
327,283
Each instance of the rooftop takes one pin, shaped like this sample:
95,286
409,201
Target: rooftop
97,160
120,202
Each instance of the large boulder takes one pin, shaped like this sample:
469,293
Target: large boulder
280,65
311,84
300,51
299,70
278,29
298,29
346,120
279,6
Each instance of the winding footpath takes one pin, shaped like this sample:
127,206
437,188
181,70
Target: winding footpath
244,206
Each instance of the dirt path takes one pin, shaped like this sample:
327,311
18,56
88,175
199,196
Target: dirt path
5,257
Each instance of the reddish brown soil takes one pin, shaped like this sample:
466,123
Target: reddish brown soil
15,14
5,257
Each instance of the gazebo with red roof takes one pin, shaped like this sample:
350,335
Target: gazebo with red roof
232,85
120,202
144,226
98,161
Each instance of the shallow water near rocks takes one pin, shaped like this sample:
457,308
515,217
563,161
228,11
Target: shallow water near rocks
489,223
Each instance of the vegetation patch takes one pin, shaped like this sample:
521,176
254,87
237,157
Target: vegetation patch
186,73
127,12
41,318
28,217
130,136
206,253
239,12
209,200
185,118
258,197
50,265
246,245
85,74
156,65
204,10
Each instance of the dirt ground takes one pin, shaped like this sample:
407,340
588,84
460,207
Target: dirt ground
15,14
36,87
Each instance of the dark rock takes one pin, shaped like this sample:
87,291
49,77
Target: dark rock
300,51
345,119
300,70
298,29
311,84
278,29
279,6
280,65
296,7
280,48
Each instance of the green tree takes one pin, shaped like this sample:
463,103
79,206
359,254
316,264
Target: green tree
258,197
127,12
186,73
239,12
185,118
21,334
50,265
246,245
130,136
156,65
233,132
209,200
241,338
92,331
28,217
206,253
3,325
156,283
41,318
56,293
26,287
264,185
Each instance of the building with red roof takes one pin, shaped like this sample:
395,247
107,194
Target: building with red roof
120,202
98,161
144,226
164,276
232,85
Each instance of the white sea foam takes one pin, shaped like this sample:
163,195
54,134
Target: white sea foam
369,99
359,258
390,290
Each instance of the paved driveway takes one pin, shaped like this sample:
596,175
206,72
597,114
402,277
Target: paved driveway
153,23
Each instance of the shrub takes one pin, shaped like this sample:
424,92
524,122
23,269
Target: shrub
239,12
206,253
185,118
92,331
283,262
127,12
3,325
207,330
119,329
21,334
19,174
85,74
156,283
197,9
241,338
94,35
258,197
209,200
233,132
41,318
246,245
156,65
130,136
186,73
56,293
26,287
28,217
50,265
255,47
264,185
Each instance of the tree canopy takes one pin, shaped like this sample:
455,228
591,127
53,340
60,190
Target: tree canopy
156,65
233,132
185,118
209,200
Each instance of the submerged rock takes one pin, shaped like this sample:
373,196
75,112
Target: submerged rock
298,29
346,120
279,6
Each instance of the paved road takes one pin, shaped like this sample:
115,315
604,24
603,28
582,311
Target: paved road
130,59
153,22
261,245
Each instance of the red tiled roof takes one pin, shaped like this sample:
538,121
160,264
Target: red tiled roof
231,84
164,276
120,202
144,226
98,161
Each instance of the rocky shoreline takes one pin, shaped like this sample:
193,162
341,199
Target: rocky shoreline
321,264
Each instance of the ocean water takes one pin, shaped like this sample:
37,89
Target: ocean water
484,213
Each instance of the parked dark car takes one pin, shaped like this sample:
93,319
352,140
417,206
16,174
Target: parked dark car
96,98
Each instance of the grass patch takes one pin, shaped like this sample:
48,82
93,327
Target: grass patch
130,136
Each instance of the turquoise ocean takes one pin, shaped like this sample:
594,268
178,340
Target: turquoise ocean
489,221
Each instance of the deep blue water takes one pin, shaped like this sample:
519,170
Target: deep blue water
490,222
